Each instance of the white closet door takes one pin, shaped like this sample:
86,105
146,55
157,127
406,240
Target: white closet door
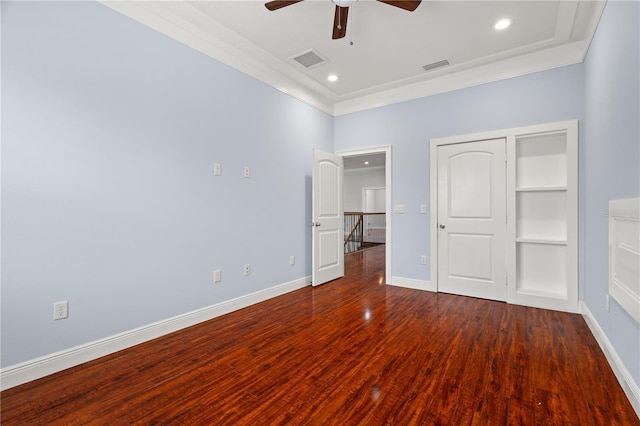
472,219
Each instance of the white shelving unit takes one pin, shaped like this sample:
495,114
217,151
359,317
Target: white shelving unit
542,197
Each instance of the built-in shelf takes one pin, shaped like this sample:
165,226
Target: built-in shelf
544,195
541,189
541,215
541,241
541,293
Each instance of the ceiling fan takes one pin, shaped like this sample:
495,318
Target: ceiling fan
342,11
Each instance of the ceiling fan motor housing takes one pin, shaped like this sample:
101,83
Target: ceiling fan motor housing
344,3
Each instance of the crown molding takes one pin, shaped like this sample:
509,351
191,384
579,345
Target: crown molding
542,60
191,27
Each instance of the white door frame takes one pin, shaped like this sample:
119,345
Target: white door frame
387,179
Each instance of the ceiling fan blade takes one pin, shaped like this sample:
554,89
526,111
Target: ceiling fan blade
403,4
340,22
275,5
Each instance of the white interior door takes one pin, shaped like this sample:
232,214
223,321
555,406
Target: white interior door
327,222
374,224
374,200
472,219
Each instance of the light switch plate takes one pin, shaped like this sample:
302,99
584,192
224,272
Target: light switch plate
399,208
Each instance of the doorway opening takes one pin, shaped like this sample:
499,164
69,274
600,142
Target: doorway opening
367,202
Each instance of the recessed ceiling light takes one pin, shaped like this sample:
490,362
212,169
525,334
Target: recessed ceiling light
366,163
332,77
503,24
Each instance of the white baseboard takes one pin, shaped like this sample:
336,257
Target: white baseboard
630,387
27,371
413,283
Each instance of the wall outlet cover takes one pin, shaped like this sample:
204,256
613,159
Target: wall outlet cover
60,310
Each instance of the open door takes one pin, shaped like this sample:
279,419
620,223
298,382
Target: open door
327,222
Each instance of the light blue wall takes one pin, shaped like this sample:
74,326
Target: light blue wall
109,135
542,97
612,160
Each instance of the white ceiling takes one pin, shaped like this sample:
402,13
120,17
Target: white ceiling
380,60
366,161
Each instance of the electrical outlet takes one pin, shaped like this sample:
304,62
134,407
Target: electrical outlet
423,260
292,260
247,269
247,172
217,169
60,310
217,276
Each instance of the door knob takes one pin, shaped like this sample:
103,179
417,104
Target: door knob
442,226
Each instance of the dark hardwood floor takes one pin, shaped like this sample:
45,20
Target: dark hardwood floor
350,352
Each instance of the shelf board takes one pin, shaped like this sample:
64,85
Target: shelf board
541,188
541,293
541,241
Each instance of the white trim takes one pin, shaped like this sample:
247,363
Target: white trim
413,283
543,60
388,184
629,386
621,268
433,214
27,371
188,25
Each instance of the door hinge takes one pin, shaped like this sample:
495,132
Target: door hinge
506,280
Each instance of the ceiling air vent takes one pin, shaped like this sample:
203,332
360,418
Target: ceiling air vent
309,59
435,65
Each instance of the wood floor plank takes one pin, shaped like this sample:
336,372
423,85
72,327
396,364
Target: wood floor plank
350,352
